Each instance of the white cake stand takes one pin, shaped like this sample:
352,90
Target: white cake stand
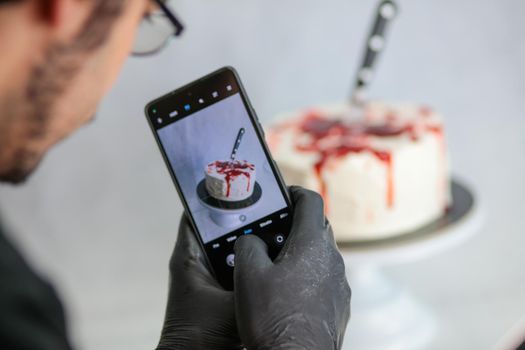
229,214
386,316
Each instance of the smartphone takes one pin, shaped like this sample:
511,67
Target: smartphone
214,148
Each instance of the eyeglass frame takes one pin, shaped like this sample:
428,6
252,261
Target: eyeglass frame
178,26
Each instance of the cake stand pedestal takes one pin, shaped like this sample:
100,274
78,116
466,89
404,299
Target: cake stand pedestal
386,316
229,214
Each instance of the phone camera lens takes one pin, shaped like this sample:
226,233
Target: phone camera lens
279,239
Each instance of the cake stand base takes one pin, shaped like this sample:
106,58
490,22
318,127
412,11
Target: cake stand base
384,316
229,214
227,220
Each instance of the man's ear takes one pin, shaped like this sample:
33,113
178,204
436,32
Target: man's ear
64,18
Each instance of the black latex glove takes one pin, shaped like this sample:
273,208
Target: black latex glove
302,299
200,313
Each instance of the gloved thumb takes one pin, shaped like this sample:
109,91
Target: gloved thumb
251,255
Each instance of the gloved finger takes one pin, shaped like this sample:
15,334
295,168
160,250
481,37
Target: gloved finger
188,260
251,255
310,225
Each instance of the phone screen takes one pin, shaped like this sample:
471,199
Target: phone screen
214,148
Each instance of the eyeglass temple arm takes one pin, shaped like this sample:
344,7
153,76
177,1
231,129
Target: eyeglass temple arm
179,28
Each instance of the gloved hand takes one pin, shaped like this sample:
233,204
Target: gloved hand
200,313
302,299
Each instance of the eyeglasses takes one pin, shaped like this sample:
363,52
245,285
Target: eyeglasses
156,30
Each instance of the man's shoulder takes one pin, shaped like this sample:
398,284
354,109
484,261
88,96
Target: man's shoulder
32,314
15,272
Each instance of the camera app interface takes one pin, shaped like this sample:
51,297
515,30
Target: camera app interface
226,178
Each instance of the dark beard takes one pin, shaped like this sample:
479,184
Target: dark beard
26,163
47,82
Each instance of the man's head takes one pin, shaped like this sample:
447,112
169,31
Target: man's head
58,59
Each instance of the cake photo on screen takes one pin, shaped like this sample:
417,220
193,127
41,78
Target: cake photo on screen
230,181
381,175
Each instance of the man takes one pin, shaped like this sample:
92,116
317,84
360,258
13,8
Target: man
57,60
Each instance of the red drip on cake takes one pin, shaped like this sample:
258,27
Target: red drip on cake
333,139
438,131
233,170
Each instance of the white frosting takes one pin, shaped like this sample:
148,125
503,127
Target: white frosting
230,181
366,197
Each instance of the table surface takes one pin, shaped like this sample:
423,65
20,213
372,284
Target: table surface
100,216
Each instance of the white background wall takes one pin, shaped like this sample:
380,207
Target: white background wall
100,216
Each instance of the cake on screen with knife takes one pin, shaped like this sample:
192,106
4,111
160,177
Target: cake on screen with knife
230,181
381,176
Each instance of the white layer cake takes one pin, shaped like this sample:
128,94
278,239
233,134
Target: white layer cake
230,181
381,176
